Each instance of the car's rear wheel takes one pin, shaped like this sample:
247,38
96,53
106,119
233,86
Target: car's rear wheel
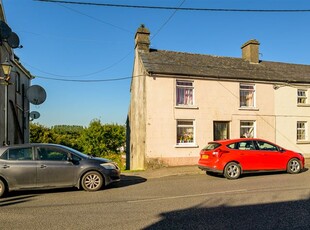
2,188
232,170
92,181
294,166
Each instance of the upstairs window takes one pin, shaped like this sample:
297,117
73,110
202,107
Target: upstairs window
302,96
247,95
185,92
301,130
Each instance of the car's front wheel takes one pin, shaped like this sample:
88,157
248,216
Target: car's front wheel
232,170
92,181
294,166
2,188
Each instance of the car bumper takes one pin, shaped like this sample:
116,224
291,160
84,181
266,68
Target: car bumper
209,169
114,175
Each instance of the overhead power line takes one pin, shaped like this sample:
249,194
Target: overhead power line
86,80
103,80
180,8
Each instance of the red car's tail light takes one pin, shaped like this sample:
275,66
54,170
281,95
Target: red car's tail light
219,153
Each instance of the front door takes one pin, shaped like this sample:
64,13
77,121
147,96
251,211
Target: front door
220,130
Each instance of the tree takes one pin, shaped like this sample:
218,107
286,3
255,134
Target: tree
102,140
40,134
97,139
68,135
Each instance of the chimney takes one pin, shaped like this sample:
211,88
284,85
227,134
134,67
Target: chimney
250,51
142,39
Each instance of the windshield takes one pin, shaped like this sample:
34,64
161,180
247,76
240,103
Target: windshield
211,146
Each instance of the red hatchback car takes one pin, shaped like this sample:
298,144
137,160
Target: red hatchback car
247,155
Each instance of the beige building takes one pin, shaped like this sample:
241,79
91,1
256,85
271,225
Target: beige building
180,101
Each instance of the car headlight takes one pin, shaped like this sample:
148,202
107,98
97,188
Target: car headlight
108,165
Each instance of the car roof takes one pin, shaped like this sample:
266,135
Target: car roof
228,141
3,148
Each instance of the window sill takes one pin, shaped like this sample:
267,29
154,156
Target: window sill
303,105
186,107
186,146
303,142
249,108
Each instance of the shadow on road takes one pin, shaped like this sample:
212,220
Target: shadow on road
282,215
21,196
128,181
16,197
15,200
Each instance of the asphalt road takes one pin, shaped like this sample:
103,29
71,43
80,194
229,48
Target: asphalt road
196,201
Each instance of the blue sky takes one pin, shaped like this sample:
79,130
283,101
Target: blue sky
86,43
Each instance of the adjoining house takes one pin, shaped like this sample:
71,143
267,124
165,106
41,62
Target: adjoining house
180,101
14,106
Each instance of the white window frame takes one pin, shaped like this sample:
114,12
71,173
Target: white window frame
251,129
185,139
189,85
302,96
302,131
246,92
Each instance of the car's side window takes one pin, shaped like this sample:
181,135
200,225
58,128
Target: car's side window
266,146
232,146
20,154
51,154
246,145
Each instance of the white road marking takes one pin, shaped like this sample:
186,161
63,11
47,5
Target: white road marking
187,196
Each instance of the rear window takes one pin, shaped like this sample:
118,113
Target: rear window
17,154
211,146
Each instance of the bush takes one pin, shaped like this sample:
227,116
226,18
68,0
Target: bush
100,140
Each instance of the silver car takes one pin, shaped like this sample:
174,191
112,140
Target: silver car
43,166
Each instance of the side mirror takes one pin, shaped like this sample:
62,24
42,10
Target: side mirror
69,158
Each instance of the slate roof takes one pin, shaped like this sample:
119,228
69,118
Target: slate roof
222,68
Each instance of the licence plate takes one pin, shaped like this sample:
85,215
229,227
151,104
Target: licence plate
204,156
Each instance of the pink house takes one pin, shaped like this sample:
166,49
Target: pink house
180,101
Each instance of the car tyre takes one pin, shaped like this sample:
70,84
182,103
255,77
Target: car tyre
232,170
92,181
2,188
294,166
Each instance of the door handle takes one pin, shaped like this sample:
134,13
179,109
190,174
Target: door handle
43,166
6,166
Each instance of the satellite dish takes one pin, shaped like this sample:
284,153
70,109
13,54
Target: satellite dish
5,30
36,94
13,40
34,115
